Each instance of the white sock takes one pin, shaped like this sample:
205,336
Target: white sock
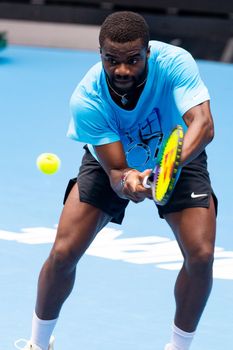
42,331
180,339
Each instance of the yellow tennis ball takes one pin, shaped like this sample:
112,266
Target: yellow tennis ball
48,163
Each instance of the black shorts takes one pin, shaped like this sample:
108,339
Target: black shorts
193,188
95,189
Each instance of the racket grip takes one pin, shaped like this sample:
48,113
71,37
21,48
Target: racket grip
146,182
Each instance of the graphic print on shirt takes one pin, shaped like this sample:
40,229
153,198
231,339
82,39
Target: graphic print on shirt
142,142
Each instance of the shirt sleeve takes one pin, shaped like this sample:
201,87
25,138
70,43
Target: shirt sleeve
88,123
188,87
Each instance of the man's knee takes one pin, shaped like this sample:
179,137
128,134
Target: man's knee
63,259
201,261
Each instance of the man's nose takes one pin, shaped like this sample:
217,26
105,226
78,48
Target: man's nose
122,70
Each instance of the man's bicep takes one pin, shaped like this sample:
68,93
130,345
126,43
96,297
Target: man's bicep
111,156
201,112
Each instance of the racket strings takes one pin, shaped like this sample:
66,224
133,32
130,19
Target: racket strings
168,166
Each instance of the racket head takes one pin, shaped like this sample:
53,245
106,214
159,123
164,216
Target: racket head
167,170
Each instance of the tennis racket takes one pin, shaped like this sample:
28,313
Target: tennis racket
167,169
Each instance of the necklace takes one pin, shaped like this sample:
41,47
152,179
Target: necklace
124,99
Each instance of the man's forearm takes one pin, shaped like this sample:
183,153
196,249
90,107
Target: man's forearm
117,180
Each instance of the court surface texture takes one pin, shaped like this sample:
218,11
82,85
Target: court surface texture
123,296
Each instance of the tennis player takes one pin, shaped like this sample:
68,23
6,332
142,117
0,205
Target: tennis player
122,109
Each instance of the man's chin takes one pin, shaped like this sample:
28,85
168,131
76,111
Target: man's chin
123,88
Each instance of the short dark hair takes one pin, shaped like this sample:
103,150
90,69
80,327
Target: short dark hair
124,26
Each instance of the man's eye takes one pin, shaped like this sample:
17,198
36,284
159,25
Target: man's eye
112,61
133,61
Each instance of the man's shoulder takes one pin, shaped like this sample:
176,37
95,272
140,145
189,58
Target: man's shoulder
93,75
166,52
169,59
90,83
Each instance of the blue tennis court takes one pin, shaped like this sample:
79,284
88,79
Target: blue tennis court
123,296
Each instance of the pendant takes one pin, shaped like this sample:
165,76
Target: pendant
124,100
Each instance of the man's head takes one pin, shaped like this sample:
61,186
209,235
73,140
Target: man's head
124,26
123,39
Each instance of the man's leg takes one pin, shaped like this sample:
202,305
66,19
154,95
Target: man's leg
78,226
195,230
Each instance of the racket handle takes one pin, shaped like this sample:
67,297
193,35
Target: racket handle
146,182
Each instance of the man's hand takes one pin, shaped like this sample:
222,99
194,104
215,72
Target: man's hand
125,181
132,187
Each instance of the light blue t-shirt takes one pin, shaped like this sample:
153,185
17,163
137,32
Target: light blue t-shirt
173,87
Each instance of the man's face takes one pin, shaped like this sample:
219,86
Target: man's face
125,64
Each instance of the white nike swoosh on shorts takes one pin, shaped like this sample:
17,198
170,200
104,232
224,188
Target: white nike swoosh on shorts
194,195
